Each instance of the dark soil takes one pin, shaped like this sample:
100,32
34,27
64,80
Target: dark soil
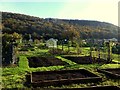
54,76
61,75
86,60
87,88
44,61
94,88
114,71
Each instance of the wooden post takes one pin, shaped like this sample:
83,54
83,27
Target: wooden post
53,48
62,45
90,54
68,47
109,52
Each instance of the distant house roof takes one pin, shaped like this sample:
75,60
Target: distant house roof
52,39
113,39
51,42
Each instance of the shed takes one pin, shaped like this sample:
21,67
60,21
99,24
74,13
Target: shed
51,43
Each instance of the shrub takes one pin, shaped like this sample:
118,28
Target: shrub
56,51
116,49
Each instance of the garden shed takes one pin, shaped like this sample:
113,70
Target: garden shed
51,43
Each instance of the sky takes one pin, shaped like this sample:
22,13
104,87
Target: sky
100,10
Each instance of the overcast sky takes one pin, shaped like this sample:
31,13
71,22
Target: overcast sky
100,10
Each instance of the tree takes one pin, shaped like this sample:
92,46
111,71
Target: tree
78,45
116,49
8,47
34,36
26,37
71,34
16,36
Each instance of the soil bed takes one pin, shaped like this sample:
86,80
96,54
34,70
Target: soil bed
85,60
113,73
87,88
94,88
44,61
57,78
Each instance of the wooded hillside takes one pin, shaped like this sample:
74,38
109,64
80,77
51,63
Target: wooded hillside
49,27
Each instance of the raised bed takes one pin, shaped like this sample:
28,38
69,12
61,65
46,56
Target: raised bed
113,73
85,59
45,61
63,77
94,88
87,88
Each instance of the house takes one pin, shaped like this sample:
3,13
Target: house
94,41
51,43
30,38
113,40
84,42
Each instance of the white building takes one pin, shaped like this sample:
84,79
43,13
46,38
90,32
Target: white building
51,43
113,39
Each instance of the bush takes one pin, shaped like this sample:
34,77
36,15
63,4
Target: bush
41,46
32,49
23,62
56,51
27,48
116,49
24,49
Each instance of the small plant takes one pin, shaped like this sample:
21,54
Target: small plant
57,51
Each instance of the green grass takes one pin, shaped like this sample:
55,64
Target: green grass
110,66
50,68
116,58
14,77
23,62
66,60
